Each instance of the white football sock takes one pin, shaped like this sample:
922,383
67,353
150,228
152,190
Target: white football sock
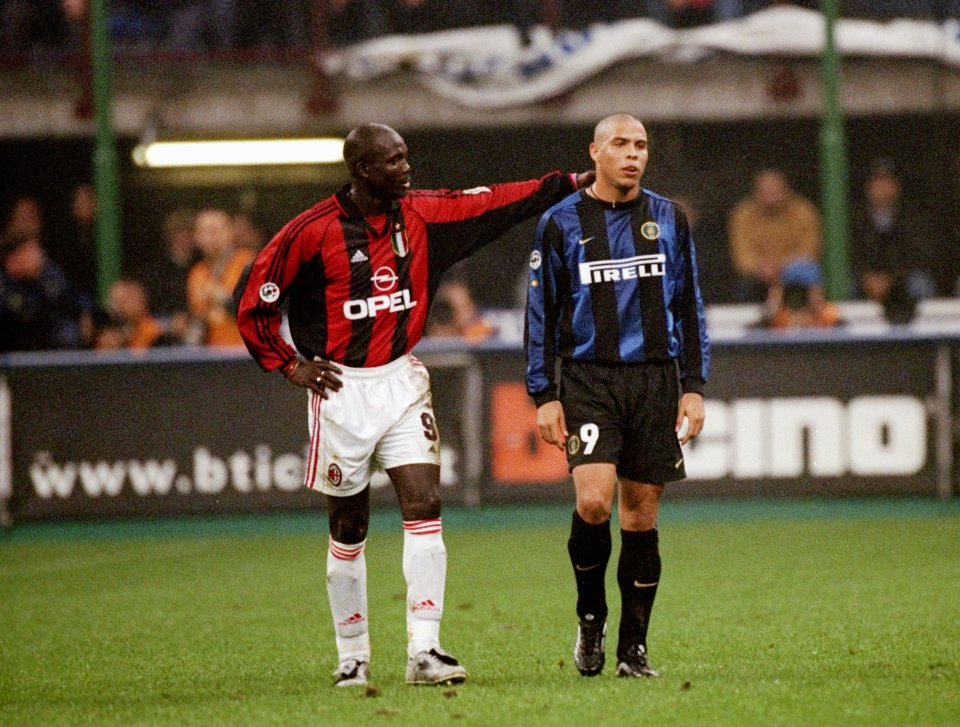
347,592
425,569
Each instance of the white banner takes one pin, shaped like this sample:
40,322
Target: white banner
488,68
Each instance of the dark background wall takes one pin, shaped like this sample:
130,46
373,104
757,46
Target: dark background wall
708,163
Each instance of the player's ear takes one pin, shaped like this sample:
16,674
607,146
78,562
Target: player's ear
594,151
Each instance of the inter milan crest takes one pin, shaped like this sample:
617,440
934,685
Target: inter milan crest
398,239
573,444
650,230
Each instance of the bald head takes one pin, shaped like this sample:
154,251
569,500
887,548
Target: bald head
619,151
365,141
607,127
376,157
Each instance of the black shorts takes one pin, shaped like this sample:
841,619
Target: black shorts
624,414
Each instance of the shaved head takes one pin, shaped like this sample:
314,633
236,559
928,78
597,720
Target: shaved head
606,127
619,152
376,157
366,139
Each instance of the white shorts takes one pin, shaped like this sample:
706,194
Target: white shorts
381,418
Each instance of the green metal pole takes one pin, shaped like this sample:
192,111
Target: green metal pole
105,152
833,166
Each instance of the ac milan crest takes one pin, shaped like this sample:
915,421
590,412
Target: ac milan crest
334,475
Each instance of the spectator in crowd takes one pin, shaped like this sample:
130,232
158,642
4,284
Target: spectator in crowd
74,246
106,330
168,273
26,216
130,317
772,225
75,17
716,279
212,279
889,263
797,298
454,314
39,308
248,233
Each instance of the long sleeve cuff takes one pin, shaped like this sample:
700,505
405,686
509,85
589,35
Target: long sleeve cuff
543,397
693,385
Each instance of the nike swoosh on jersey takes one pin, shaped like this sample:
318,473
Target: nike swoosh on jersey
679,462
582,568
638,584
585,240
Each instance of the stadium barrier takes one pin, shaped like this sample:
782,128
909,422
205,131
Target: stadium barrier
175,432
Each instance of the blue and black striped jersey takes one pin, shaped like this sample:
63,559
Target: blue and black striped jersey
614,283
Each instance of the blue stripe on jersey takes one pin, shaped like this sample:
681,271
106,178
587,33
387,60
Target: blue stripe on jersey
621,243
582,314
663,213
642,318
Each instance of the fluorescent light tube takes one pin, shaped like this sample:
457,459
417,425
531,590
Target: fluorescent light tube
238,153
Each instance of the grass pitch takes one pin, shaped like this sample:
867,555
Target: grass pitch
843,613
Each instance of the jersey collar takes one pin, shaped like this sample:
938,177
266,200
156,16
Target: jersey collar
630,204
350,210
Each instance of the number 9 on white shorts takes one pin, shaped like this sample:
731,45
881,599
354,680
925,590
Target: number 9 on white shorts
381,418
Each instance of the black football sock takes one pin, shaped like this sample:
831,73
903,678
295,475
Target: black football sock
638,574
589,547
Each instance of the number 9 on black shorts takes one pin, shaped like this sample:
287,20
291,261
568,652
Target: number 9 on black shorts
624,414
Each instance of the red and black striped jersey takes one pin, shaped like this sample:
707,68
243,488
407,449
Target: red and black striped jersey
357,289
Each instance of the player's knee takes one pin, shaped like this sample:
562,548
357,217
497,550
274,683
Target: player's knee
640,516
348,526
344,531
638,521
593,510
425,507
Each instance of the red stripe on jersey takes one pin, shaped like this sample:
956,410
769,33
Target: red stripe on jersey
278,263
357,325
313,454
383,264
423,527
336,266
340,551
419,271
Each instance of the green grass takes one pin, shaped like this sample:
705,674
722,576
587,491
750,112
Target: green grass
768,614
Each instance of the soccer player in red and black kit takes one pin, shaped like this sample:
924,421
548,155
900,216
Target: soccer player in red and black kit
357,273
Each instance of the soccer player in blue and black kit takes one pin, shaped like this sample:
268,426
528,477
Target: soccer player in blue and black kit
613,294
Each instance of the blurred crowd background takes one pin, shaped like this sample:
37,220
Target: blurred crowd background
189,25
757,223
